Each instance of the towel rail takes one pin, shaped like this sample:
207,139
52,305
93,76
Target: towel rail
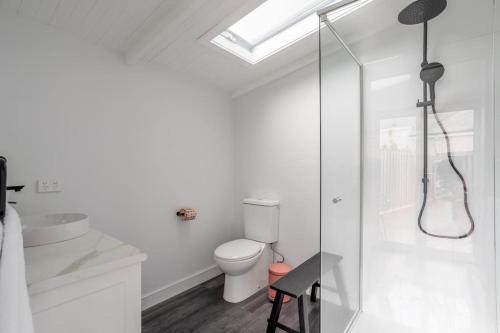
3,187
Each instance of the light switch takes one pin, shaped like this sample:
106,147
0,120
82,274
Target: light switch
49,185
55,185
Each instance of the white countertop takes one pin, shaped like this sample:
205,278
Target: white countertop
53,265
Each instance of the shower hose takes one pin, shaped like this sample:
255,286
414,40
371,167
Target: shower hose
462,179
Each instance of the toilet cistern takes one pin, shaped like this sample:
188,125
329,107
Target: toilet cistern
245,261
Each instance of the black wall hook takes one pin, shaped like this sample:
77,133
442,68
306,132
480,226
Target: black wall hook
16,188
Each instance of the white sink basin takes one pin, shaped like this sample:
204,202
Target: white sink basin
53,228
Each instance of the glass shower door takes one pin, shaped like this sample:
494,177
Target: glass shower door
341,116
412,281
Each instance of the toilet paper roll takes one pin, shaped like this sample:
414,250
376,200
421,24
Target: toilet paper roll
187,214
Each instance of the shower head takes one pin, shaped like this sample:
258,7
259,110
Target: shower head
421,11
432,72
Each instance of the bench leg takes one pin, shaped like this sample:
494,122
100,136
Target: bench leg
275,312
303,315
314,292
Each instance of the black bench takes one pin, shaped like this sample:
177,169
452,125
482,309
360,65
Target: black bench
295,284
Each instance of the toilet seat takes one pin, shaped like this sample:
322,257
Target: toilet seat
238,250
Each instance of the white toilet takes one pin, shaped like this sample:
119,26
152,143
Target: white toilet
245,261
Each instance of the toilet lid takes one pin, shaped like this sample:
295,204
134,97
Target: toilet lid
239,249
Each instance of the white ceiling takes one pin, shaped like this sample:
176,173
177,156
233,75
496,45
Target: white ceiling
174,33
177,33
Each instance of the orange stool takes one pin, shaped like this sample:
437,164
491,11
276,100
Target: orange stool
276,272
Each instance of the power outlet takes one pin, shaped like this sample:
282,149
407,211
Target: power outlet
49,185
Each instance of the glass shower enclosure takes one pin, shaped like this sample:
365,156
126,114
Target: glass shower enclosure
408,166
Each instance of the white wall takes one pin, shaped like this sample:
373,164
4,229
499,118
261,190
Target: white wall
130,144
277,156
496,61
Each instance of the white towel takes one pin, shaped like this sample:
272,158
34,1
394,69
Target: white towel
15,311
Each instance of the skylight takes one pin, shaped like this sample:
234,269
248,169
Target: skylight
275,25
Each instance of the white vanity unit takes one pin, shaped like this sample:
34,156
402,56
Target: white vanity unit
90,284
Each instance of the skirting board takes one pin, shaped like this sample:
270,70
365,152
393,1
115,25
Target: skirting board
179,286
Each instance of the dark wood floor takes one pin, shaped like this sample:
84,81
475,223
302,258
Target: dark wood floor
202,309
